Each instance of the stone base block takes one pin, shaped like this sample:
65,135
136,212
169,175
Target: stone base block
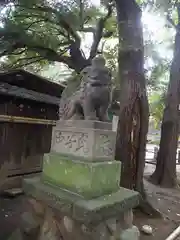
86,212
86,179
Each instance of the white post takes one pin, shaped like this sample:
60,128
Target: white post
155,153
174,235
115,123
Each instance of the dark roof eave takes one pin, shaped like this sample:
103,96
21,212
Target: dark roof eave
9,90
22,71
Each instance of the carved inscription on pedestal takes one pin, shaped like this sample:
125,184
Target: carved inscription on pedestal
71,142
104,146
91,144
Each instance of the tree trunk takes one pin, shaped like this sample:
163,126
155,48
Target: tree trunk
178,157
134,110
165,173
77,61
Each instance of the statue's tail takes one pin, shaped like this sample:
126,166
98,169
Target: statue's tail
66,109
62,108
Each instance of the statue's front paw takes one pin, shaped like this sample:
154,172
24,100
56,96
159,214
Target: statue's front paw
105,119
91,118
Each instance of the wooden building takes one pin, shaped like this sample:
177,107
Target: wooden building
28,110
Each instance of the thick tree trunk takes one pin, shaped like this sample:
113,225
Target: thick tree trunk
134,111
79,65
133,97
165,173
77,61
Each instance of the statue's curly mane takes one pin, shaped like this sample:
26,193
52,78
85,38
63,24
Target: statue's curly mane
74,102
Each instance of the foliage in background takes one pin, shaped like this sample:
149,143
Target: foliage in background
156,103
50,31
36,38
111,56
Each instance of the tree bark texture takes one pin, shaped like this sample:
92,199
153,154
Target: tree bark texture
134,109
165,172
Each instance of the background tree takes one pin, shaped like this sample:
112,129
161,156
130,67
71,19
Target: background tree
157,87
165,173
156,107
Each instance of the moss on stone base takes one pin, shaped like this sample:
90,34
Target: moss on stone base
87,179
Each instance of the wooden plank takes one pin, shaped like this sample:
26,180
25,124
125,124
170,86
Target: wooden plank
11,182
15,182
17,119
32,163
15,172
13,192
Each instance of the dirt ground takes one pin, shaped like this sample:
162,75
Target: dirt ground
165,200
168,203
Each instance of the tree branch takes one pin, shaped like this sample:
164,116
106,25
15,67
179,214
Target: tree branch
28,63
44,52
29,58
178,10
60,19
172,23
102,47
12,48
99,31
88,29
76,60
81,13
43,19
18,53
35,22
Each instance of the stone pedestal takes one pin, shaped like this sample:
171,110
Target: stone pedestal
82,159
78,193
84,140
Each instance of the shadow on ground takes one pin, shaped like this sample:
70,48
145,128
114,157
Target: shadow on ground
10,212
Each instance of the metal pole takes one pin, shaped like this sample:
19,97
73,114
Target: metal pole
174,234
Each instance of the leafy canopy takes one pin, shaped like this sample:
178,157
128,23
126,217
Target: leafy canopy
41,30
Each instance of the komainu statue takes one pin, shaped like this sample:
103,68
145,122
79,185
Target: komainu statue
92,98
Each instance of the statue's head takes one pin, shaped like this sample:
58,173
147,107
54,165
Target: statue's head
98,61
